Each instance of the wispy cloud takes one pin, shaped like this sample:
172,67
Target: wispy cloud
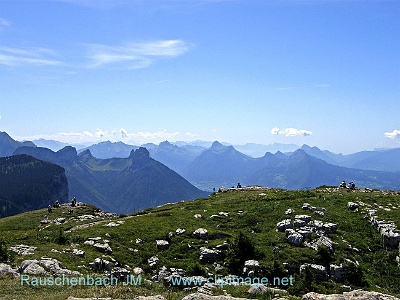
27,57
4,23
290,132
136,55
393,135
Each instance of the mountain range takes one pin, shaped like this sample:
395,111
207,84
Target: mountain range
135,177
120,185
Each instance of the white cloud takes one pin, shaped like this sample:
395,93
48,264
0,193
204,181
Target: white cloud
136,55
393,135
290,132
28,56
134,138
191,135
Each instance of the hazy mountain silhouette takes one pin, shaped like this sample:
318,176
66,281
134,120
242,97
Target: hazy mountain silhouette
109,149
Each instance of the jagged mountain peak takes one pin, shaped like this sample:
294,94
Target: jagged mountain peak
140,154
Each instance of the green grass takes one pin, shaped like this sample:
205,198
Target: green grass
252,213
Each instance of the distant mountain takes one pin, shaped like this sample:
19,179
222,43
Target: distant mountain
175,157
118,184
27,183
387,160
301,170
50,144
382,160
223,166
109,149
8,145
258,150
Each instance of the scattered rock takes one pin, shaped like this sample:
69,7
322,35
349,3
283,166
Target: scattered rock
330,227
59,220
283,225
137,271
222,246
318,270
201,233
295,239
261,288
103,247
79,253
289,211
352,205
162,244
249,266
198,216
209,255
6,269
305,218
199,296
180,231
100,264
23,249
45,266
353,295
153,261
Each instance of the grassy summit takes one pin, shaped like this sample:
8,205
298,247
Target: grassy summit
245,219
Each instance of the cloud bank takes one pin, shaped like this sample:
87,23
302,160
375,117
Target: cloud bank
138,138
393,135
290,132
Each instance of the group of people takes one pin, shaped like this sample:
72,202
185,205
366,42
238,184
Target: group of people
351,185
57,205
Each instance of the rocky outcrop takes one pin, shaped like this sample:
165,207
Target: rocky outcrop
201,233
353,295
199,296
6,269
45,266
209,255
162,244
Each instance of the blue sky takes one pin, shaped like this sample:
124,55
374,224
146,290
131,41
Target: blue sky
324,73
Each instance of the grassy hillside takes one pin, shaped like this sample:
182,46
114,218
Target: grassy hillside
245,219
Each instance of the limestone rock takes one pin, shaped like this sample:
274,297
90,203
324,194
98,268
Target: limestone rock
305,218
330,227
295,239
180,231
103,247
6,269
261,288
100,264
283,225
162,244
152,261
199,296
352,205
201,233
318,270
353,295
23,249
209,255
